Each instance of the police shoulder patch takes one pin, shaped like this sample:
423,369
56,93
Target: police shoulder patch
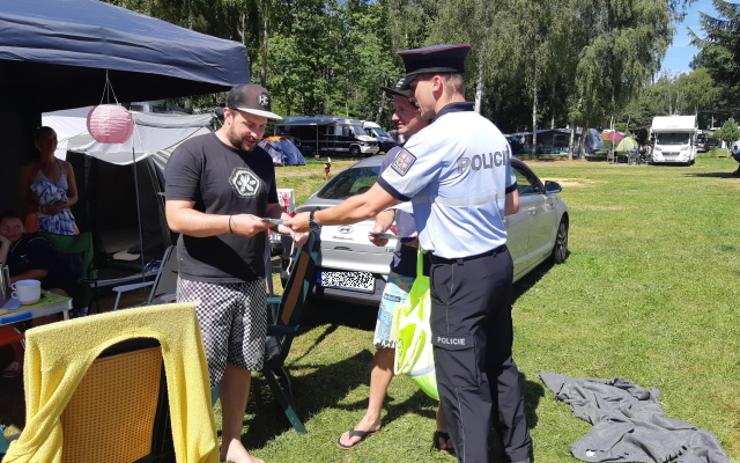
403,162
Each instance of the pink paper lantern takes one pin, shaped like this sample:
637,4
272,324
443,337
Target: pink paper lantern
110,123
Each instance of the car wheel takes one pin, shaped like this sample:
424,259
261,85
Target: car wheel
560,249
354,150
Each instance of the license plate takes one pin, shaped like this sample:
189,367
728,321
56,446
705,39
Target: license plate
357,281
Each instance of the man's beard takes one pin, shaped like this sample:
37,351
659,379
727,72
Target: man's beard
243,144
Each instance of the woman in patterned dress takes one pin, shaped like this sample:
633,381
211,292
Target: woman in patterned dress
48,187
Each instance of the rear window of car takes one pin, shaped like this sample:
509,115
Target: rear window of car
349,182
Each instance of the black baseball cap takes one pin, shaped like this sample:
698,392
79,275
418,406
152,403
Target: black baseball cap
251,98
400,89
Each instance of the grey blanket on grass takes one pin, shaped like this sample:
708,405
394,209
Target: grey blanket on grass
628,424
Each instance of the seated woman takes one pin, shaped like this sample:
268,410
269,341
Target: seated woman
48,187
32,257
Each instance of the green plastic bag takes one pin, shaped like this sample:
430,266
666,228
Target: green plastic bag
413,335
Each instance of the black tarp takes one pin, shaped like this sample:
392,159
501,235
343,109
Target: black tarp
54,54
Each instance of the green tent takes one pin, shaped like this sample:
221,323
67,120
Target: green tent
626,145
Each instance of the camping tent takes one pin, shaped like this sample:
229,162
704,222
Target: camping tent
56,54
283,151
626,145
108,185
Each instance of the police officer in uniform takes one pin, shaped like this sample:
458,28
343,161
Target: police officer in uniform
457,174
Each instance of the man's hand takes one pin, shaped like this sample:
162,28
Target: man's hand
299,222
376,240
298,238
248,225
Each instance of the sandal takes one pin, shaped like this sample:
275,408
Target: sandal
355,433
442,442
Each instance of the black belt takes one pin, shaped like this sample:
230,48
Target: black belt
443,260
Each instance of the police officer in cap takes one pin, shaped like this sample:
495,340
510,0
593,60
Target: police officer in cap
457,174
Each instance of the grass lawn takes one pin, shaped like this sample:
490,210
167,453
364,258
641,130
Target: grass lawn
651,292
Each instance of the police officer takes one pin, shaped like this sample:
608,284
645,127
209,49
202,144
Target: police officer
457,174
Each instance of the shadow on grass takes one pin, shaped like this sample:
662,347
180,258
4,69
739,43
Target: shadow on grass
321,388
531,279
715,175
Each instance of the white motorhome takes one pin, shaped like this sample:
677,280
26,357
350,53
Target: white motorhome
674,139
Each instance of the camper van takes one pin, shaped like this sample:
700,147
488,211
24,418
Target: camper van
328,135
674,139
385,141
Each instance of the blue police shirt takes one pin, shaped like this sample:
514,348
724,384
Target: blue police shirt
404,257
456,172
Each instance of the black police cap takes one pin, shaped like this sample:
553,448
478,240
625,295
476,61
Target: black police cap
400,89
436,59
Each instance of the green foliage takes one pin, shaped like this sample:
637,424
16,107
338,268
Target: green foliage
729,133
719,51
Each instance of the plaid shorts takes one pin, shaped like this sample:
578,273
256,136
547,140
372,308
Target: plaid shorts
233,322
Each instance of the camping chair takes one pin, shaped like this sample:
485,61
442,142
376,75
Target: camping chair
164,285
76,244
81,244
286,313
122,386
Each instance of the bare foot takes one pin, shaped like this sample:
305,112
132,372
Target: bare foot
347,441
236,453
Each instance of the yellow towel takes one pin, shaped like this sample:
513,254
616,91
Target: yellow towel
59,354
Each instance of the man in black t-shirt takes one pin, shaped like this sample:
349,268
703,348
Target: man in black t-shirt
219,187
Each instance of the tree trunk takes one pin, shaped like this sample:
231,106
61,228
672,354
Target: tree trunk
534,124
381,108
479,87
611,147
265,37
571,144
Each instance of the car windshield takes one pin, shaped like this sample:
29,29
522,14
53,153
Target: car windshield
350,182
672,138
379,133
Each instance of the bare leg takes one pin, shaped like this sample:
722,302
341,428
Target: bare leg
380,377
234,393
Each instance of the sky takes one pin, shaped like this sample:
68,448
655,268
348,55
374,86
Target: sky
681,52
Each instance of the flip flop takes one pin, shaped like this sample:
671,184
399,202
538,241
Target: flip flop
447,446
355,433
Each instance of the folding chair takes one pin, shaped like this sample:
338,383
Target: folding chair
164,284
117,387
86,293
286,318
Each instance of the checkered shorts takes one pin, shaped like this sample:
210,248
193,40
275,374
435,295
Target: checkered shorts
233,322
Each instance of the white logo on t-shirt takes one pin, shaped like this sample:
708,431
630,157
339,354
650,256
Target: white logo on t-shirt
244,182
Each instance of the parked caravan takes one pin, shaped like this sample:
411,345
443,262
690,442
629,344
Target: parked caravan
328,135
385,141
674,139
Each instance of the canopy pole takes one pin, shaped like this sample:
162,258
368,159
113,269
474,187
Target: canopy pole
138,210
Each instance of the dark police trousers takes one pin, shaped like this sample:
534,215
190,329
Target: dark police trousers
472,338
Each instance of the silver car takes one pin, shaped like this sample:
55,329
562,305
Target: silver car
352,269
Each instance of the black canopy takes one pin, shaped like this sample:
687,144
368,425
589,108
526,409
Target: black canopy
54,54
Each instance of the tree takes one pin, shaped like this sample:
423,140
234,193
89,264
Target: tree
623,48
729,133
719,52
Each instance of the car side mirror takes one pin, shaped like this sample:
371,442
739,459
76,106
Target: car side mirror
552,187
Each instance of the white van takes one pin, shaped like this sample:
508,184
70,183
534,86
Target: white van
385,141
674,139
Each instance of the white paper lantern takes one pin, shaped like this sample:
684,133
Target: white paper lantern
110,123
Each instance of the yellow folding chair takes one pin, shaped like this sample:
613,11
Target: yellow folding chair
107,388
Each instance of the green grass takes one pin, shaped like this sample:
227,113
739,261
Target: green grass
650,292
